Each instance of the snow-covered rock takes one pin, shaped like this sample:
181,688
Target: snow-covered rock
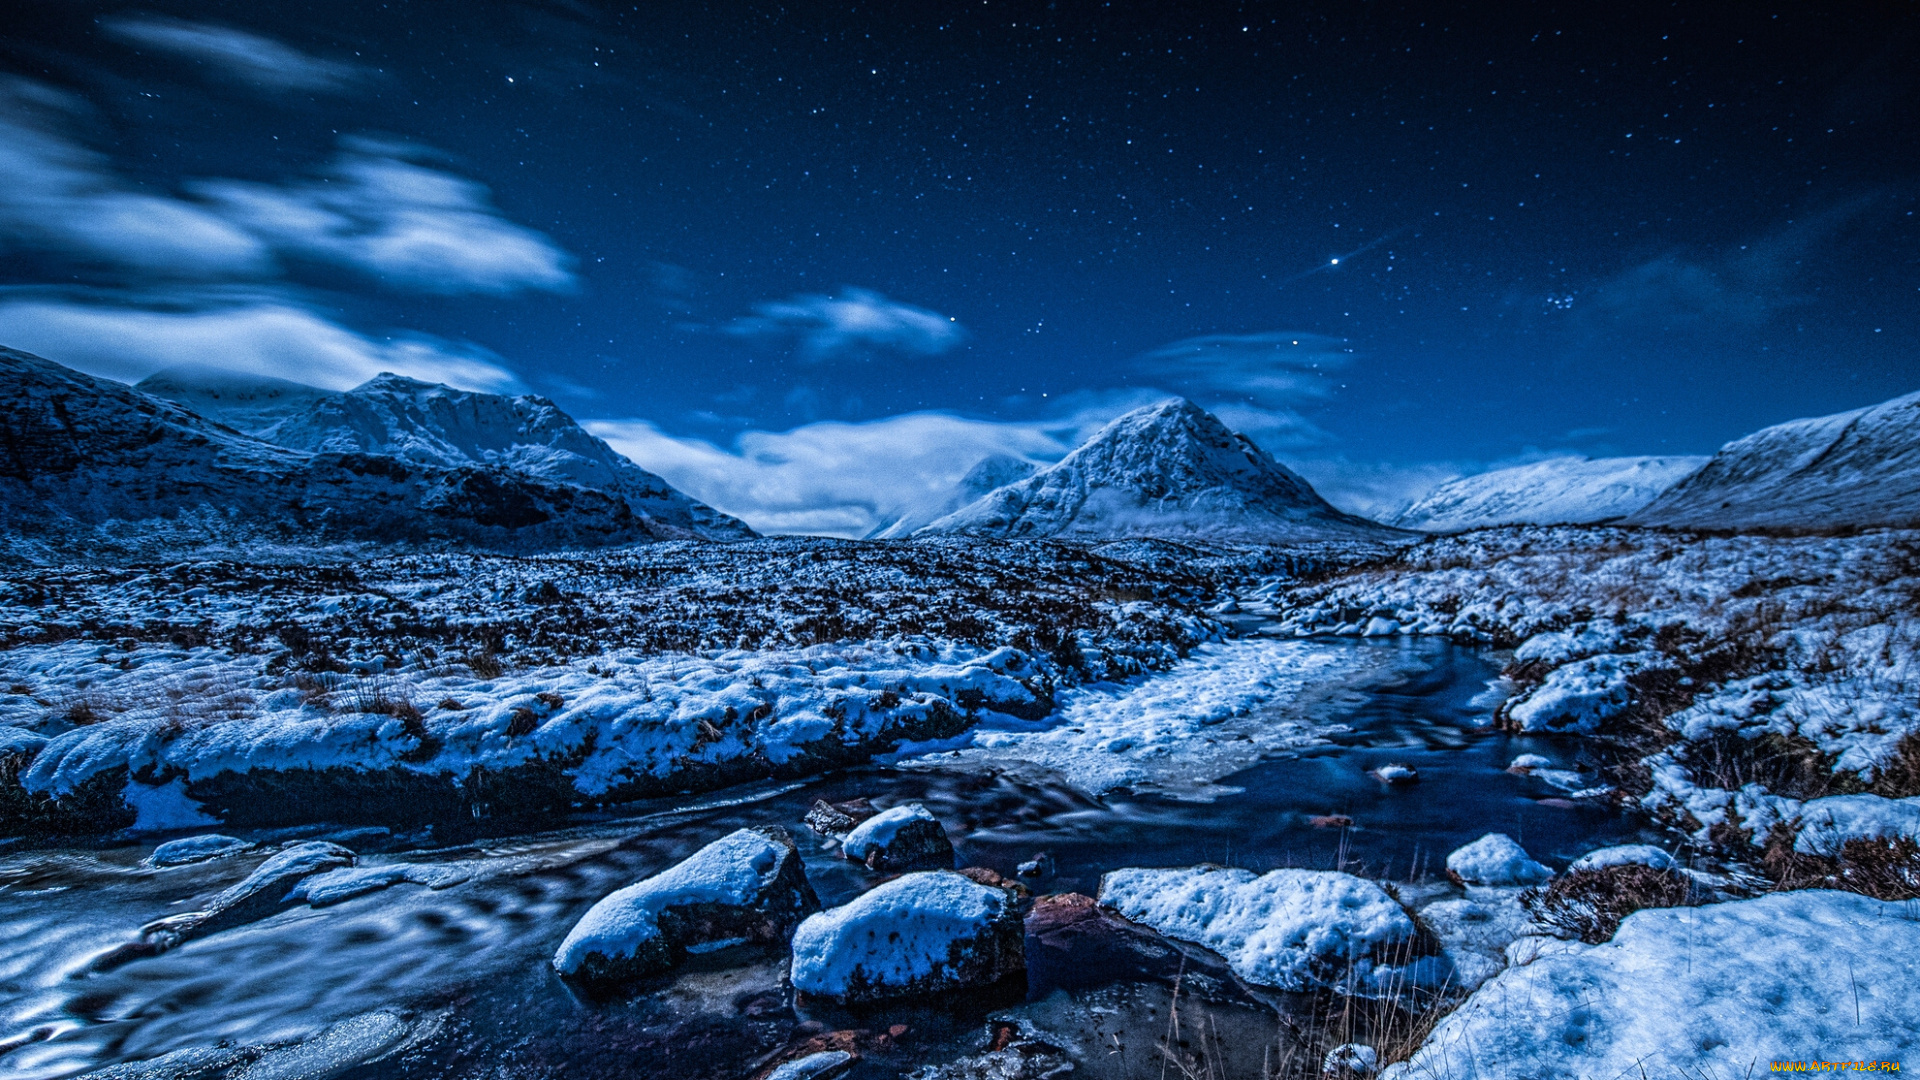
920,933
433,424
1827,824
903,838
1852,468
746,887
101,466
1171,469
1559,491
1288,929
272,884
193,849
818,1066
1581,696
992,473
1721,990
1495,859
1351,1059
1624,855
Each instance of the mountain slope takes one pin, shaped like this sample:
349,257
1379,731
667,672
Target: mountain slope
438,425
1171,469
86,461
1853,468
992,472
1560,491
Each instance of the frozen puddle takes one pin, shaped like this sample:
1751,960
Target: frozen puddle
1222,709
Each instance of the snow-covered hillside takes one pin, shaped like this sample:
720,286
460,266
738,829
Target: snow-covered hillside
1853,468
1171,469
996,471
439,425
89,463
1559,491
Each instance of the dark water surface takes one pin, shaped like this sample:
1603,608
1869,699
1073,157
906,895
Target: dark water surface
465,969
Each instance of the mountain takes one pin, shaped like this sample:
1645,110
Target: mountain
438,425
88,462
996,471
1560,491
1171,469
1853,468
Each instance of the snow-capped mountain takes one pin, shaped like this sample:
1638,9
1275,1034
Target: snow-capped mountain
1559,491
88,462
995,471
438,425
1171,469
1853,468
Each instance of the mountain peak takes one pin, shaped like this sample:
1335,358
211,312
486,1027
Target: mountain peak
1167,469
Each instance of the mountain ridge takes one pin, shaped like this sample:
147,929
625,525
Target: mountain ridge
1557,491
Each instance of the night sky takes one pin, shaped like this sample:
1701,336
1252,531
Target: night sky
811,261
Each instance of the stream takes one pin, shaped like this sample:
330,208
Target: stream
458,981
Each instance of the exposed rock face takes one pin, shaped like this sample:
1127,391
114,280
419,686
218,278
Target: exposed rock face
838,819
1857,468
438,425
747,887
1561,491
919,934
1171,469
901,839
990,474
86,460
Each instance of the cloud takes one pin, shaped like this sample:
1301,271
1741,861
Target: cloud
376,209
55,194
832,478
856,322
379,211
1254,382
251,58
264,337
1376,490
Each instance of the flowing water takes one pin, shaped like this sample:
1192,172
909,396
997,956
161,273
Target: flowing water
463,976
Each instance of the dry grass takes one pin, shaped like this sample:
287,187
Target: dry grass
1887,868
1589,904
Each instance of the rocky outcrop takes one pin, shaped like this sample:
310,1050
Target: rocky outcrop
919,934
747,887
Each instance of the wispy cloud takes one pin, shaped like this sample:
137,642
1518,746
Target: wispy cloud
264,337
57,195
252,58
1254,382
379,208
856,322
833,479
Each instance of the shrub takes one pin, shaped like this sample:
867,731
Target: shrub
1590,903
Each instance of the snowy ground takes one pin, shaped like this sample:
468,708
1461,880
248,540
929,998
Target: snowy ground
627,674
1725,679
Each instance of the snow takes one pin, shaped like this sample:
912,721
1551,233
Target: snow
15,740
1827,824
335,886
1624,855
904,933
1223,708
193,849
1289,929
1581,695
878,831
164,807
810,1066
1722,990
1477,930
1530,762
1495,859
1558,491
1171,469
290,865
732,870
1853,468
1351,1058
992,472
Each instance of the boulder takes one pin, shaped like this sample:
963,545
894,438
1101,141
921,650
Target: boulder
838,819
919,934
1073,943
1286,929
193,849
902,839
1495,859
747,887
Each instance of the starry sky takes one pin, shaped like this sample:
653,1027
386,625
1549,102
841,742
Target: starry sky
813,261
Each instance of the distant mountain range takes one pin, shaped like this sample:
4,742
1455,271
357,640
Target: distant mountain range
433,424
1559,491
1171,469
1854,468
994,471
